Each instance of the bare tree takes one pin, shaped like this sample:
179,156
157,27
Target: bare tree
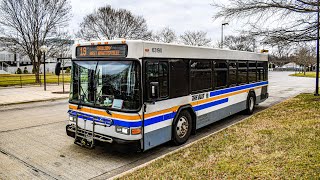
109,23
281,54
165,35
305,56
29,24
241,42
297,19
195,38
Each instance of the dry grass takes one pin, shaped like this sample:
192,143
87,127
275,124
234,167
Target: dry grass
308,74
18,79
281,142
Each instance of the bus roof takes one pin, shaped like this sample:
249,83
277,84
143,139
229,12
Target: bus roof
148,49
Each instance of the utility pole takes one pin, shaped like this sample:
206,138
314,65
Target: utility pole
317,70
223,24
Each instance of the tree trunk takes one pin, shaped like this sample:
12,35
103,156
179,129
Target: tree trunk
304,70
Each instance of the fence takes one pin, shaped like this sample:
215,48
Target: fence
17,80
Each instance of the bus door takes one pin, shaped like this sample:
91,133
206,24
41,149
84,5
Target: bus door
156,94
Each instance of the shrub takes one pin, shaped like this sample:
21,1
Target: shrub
19,71
25,70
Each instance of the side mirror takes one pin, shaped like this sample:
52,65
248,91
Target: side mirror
57,70
153,90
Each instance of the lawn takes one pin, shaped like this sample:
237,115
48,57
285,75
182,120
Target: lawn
308,74
282,142
18,79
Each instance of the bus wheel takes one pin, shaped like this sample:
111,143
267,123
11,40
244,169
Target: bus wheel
251,100
182,128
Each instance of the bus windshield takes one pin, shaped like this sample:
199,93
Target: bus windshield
106,84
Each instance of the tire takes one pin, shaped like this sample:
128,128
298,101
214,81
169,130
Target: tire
251,101
181,129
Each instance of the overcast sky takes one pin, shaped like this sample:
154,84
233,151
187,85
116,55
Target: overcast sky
178,15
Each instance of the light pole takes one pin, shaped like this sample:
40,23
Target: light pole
317,70
44,49
223,24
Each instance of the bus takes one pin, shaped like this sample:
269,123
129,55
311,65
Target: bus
142,94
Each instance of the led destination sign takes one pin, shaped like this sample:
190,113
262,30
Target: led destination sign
117,50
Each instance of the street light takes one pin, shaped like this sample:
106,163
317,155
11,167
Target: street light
223,24
317,70
44,49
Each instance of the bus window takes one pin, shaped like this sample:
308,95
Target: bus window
163,79
200,75
260,71
252,71
232,73
242,72
157,72
220,74
179,78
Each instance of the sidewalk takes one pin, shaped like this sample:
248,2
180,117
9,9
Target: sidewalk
9,96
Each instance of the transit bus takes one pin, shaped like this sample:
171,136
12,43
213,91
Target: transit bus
143,94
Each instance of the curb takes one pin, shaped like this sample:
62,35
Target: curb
32,101
190,144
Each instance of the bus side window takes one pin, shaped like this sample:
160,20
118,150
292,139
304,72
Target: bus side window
157,76
242,72
200,75
221,74
232,73
252,71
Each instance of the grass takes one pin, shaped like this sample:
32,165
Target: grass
14,79
282,142
308,74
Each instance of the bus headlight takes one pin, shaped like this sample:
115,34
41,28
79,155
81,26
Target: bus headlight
123,130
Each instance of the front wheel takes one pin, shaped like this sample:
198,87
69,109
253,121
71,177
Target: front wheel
251,100
181,128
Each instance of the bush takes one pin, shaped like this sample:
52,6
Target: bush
68,70
25,71
19,71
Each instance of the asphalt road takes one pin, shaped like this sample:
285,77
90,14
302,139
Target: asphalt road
34,145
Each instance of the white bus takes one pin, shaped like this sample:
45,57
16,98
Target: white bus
143,94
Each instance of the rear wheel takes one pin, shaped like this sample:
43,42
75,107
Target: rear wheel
181,128
251,100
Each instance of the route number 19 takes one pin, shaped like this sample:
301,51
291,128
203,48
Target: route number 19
83,51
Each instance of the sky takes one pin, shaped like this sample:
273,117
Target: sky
179,15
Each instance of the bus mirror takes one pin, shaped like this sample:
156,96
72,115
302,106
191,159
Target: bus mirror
154,90
57,70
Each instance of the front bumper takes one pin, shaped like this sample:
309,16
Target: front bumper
101,139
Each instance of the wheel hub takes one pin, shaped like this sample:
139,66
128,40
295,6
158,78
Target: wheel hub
182,127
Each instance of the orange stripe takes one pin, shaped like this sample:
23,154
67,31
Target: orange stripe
102,113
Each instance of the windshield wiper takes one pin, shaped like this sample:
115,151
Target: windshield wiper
107,110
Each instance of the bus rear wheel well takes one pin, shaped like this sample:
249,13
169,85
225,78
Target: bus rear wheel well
189,109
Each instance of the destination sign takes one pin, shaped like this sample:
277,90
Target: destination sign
116,50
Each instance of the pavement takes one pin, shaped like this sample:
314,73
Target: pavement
34,144
14,95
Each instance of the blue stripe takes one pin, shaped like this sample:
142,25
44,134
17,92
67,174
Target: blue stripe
238,88
210,104
127,124
160,118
